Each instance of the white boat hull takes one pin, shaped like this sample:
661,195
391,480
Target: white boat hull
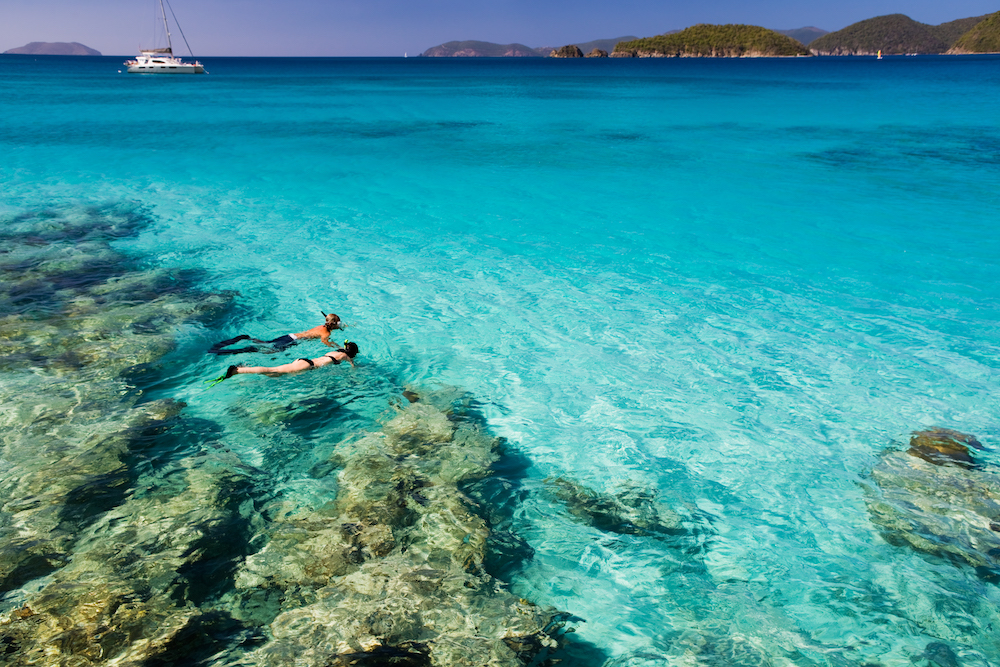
162,62
185,68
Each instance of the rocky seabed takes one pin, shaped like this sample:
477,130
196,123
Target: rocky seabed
126,540
134,534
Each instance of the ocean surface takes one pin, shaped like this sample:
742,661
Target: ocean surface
699,302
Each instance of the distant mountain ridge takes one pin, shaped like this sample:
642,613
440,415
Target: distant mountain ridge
892,34
602,44
476,49
804,35
54,49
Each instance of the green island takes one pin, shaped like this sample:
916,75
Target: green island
892,34
713,41
984,37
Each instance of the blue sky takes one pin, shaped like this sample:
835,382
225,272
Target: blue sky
392,27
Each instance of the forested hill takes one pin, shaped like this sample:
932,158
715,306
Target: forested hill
708,41
984,37
891,34
950,32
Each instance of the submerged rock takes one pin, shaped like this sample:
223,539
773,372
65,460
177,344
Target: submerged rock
942,446
939,654
632,511
932,498
92,570
124,595
393,572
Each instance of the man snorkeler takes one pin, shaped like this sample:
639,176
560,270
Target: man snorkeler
281,343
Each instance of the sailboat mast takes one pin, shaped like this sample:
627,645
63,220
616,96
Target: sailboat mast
166,28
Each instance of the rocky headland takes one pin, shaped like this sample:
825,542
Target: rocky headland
570,51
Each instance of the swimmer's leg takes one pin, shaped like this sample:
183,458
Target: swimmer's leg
278,344
217,348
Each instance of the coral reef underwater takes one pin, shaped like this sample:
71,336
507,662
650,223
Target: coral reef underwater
134,534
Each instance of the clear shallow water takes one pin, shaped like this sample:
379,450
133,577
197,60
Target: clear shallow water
732,283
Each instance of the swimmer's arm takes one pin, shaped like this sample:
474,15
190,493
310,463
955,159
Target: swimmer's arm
325,337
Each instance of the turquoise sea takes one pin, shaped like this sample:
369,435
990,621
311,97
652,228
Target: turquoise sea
700,304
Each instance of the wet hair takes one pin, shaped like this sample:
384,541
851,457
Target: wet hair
332,321
350,349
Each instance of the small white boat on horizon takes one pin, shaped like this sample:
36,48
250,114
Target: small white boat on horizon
163,60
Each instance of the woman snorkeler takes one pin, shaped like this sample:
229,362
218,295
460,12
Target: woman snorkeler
348,352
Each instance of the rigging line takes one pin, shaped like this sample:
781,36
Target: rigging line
179,28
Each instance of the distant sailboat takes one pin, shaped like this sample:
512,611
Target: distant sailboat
162,61
879,54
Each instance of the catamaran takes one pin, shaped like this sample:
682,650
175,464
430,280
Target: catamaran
163,61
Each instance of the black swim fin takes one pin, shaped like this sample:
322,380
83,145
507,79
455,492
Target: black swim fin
217,348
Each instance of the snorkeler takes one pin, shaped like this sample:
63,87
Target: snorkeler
348,352
281,343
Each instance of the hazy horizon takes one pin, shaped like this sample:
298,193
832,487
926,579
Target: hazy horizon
393,27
